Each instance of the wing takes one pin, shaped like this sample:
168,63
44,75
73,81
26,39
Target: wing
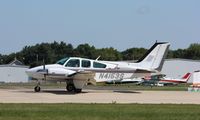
85,76
62,75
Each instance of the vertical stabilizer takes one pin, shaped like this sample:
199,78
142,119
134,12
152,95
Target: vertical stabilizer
186,76
154,57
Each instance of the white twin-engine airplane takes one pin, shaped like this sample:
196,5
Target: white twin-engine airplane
76,72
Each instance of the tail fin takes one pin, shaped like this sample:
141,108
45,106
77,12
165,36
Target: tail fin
186,76
154,57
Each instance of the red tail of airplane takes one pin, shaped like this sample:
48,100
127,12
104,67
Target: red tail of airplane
184,79
186,76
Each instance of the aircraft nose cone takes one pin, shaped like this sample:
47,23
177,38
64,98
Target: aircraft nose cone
29,72
36,72
32,71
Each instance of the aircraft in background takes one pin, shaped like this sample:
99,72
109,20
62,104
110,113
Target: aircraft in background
132,80
76,72
184,79
161,80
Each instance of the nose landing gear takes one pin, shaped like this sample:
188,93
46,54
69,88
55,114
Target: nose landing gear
37,88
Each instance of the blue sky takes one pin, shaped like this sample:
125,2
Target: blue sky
120,24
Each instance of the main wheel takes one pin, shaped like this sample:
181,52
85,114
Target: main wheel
78,90
70,87
37,88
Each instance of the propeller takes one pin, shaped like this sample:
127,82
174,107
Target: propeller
45,71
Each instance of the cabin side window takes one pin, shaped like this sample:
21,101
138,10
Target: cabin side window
98,65
73,63
86,63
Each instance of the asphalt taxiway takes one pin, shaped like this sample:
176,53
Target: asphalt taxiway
98,96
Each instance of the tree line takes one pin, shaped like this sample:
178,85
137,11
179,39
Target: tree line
51,52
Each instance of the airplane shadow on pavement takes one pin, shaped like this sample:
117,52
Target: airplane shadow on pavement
125,91
57,92
62,92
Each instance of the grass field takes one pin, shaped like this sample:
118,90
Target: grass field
99,112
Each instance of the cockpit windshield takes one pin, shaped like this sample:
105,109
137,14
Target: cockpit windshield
62,61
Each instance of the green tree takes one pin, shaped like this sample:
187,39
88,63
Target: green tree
133,53
85,50
110,54
180,53
51,52
60,50
170,54
193,52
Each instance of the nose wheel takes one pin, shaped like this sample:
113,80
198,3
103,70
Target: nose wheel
37,89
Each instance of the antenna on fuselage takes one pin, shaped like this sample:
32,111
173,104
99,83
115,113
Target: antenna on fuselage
98,57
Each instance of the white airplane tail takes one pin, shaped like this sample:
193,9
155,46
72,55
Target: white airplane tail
154,57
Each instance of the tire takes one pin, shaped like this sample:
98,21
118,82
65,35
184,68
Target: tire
37,88
70,88
78,90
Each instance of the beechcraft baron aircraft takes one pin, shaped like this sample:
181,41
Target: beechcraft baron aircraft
76,72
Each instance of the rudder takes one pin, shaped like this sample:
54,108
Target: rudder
154,57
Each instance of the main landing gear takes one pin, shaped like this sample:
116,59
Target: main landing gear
71,88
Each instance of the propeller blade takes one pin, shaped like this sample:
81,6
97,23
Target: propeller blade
46,71
43,64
